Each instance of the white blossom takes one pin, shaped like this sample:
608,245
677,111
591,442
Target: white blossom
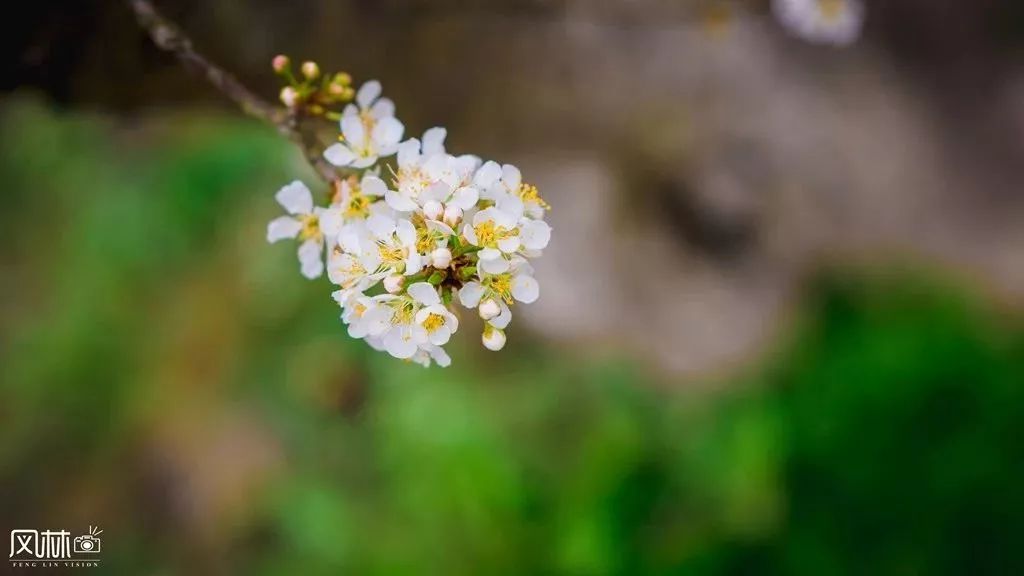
493,293
303,224
354,201
836,22
369,128
504,185
393,248
494,231
437,322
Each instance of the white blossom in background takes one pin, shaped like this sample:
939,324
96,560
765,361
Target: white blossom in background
836,22
403,248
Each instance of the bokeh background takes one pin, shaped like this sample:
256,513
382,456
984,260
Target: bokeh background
780,328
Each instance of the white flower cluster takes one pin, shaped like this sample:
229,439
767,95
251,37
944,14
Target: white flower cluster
836,22
443,228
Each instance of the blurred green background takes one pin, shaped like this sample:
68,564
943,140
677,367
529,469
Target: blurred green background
168,376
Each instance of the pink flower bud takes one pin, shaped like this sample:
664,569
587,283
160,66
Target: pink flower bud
280,63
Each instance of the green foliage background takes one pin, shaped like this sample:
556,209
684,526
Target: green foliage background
168,376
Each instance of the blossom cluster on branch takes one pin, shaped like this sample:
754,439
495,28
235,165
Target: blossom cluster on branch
411,228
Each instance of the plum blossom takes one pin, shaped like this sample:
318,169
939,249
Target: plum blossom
302,223
403,239
369,130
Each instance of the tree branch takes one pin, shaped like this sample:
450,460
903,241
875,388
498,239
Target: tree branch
169,38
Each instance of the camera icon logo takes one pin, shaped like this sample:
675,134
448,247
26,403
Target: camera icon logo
88,543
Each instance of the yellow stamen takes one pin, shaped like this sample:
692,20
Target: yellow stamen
433,322
501,285
426,240
390,254
358,205
404,313
310,227
529,193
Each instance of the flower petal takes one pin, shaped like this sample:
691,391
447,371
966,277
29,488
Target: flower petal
365,161
399,202
465,197
487,175
310,259
440,336
339,155
502,320
433,141
283,227
495,266
511,176
424,293
388,132
419,334
406,233
437,225
414,263
470,233
489,254
535,234
331,221
484,215
296,198
377,320
509,245
525,289
399,343
512,206
373,186
368,92
383,108
353,130
409,153
440,356
381,226
470,294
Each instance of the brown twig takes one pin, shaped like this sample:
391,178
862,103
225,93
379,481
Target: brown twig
169,38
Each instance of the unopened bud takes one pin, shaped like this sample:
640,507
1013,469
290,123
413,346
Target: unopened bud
336,89
489,309
310,70
289,96
452,215
441,258
393,284
433,209
342,78
280,63
493,338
